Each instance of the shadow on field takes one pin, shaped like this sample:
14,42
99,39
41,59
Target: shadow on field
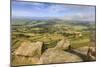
84,57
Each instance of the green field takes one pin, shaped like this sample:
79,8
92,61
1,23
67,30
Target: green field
51,32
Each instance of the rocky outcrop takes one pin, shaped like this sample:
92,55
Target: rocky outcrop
58,55
53,55
89,51
63,44
29,49
92,52
27,53
33,53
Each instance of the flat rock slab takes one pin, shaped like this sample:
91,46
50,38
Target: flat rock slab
29,49
53,55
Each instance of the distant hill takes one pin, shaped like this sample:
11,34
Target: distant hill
21,21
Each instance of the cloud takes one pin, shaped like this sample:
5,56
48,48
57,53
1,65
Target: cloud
56,8
81,16
34,9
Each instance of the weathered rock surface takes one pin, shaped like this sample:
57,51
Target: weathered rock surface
24,60
63,44
89,51
27,53
53,55
29,49
31,53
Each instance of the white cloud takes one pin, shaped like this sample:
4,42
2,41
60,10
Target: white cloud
80,16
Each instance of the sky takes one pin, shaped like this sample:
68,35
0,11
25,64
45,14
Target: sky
61,11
